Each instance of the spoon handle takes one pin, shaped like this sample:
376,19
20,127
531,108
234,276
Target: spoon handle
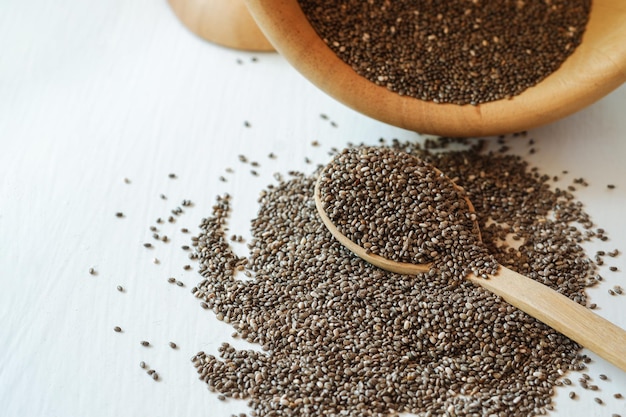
559,312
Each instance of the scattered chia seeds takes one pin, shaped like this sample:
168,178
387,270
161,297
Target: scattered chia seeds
462,52
144,343
117,329
342,337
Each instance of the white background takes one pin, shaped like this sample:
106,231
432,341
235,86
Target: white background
95,92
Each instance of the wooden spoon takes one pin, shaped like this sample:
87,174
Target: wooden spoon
224,22
535,299
596,67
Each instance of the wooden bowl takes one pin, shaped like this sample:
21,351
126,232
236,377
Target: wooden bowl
224,22
596,67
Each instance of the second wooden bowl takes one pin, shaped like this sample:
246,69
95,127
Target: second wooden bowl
224,22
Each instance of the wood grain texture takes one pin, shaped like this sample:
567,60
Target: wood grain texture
596,67
559,312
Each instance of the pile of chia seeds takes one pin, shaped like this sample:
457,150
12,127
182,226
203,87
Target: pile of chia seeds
458,51
342,337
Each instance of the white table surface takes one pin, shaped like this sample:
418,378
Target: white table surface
95,92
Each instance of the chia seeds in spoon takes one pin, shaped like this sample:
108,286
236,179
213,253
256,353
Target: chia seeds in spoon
399,207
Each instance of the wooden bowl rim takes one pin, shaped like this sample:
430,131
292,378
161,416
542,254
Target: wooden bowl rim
597,67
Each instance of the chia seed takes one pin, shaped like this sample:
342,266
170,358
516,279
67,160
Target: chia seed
458,52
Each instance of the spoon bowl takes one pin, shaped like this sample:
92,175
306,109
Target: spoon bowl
597,66
535,299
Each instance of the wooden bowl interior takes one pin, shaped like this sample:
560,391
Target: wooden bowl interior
596,67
